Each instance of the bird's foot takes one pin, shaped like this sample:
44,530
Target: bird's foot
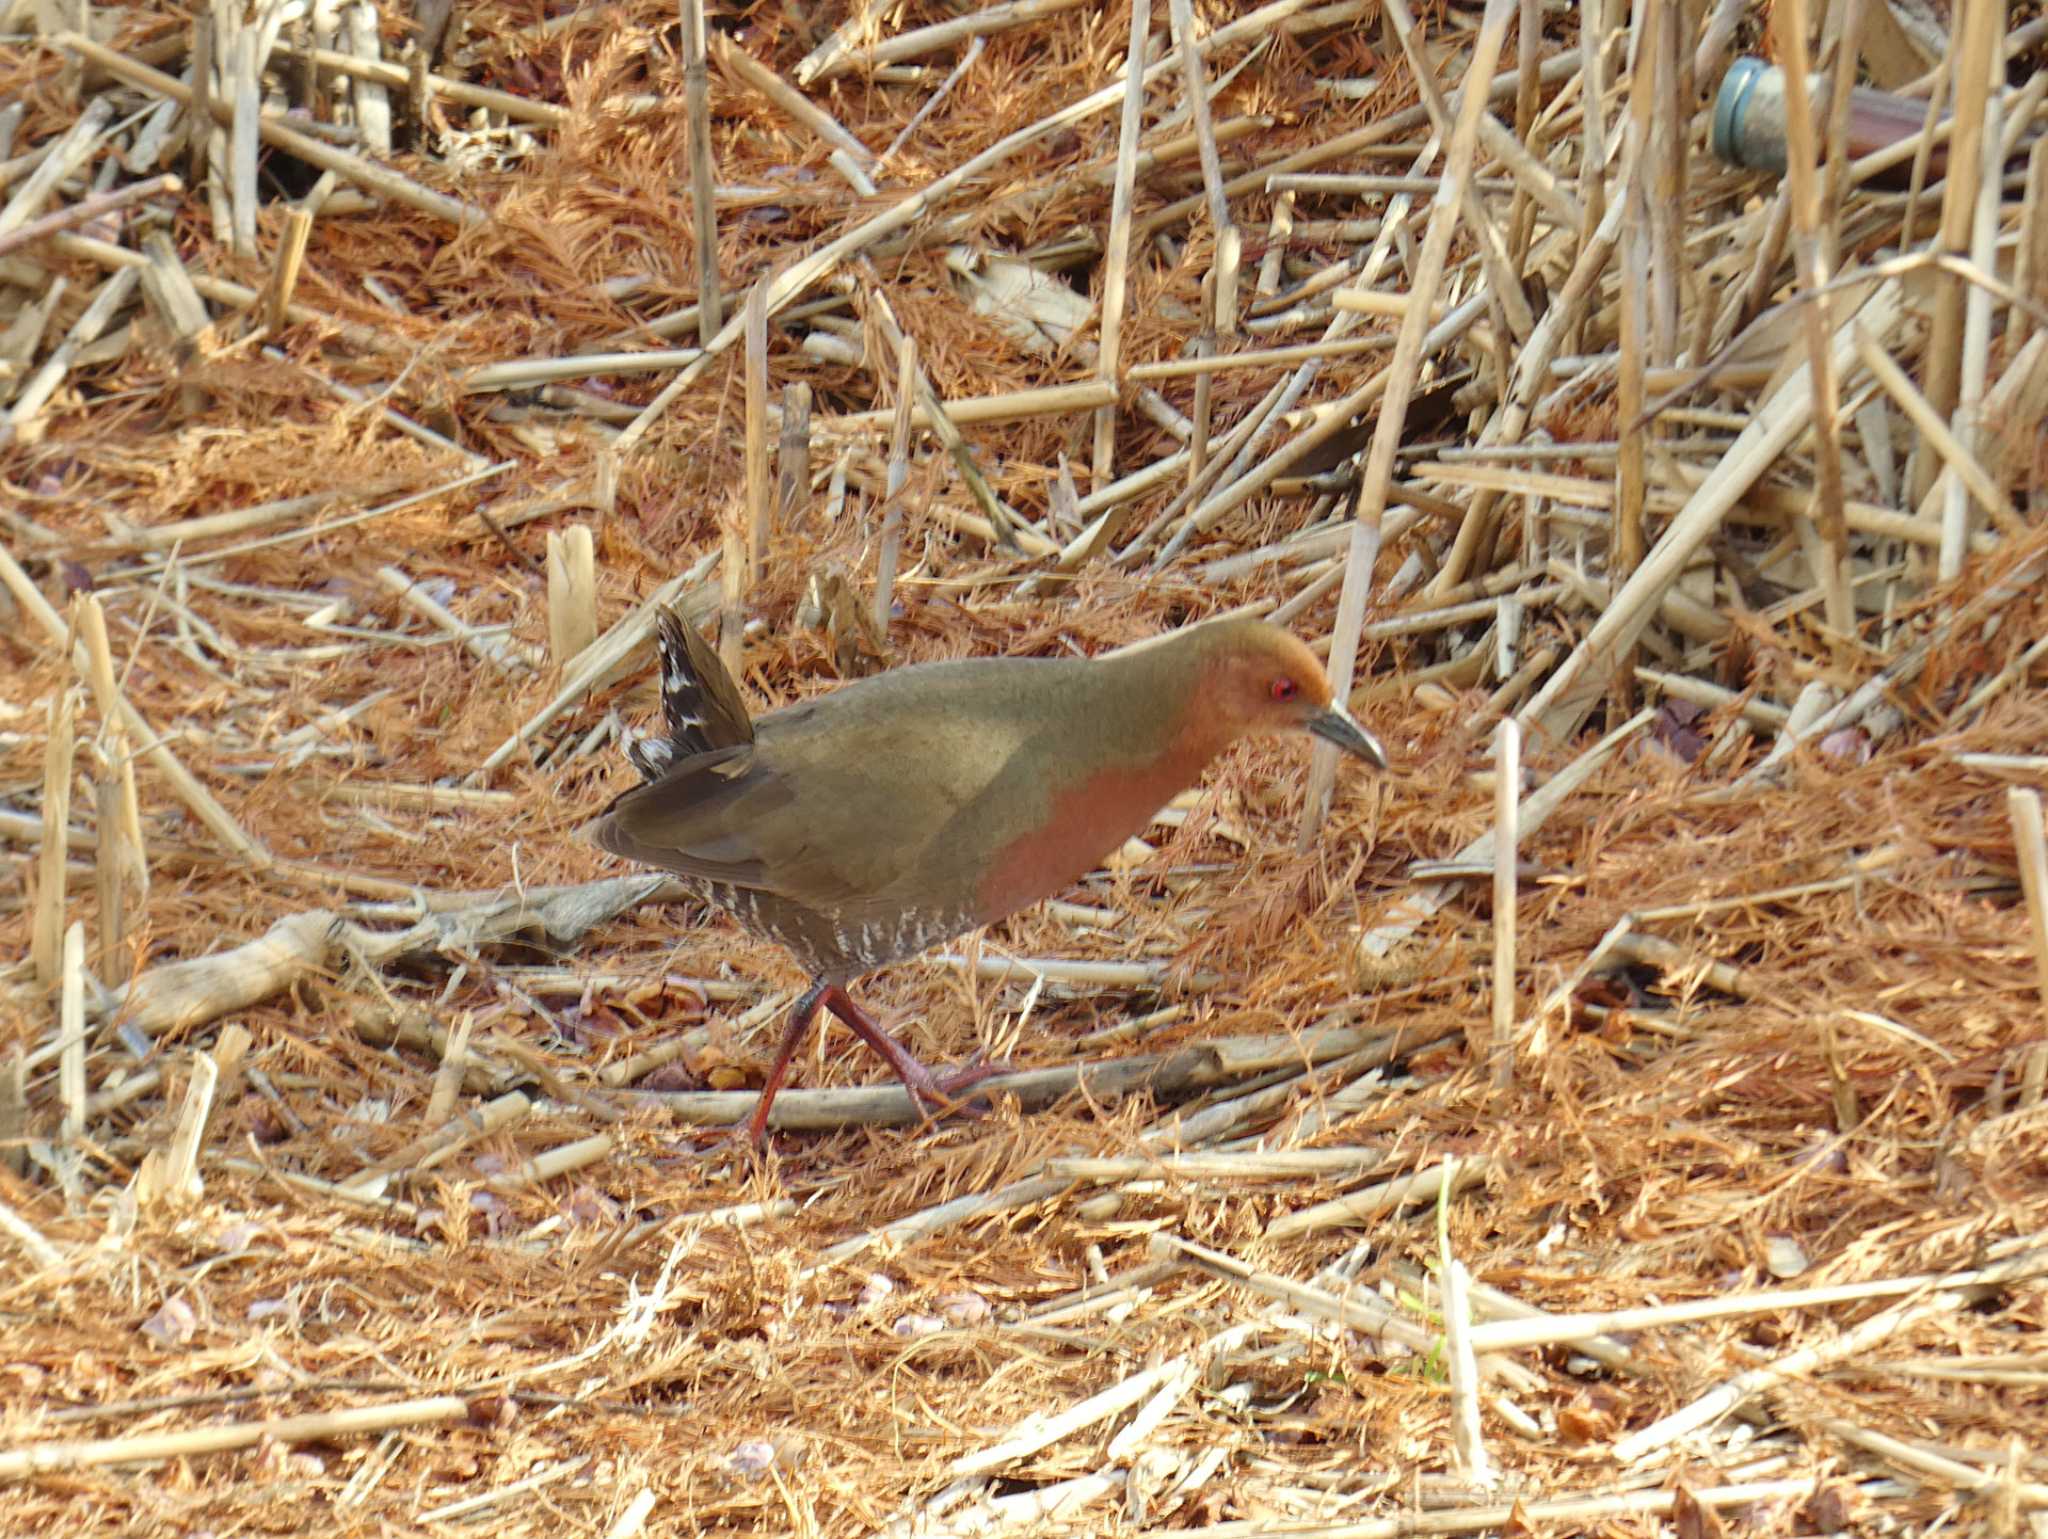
940,1094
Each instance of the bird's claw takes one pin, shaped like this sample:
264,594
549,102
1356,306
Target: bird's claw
939,1094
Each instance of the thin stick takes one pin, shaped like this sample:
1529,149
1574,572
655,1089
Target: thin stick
1117,250
1428,1185
180,1170
1468,1441
2030,272
836,57
703,191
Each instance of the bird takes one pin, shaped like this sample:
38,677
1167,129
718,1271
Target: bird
885,817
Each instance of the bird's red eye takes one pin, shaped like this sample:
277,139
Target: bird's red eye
1285,689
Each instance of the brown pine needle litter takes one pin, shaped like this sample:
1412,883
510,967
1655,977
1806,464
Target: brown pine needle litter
361,1160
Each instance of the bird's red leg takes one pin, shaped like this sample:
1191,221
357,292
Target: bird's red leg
924,1086
801,1015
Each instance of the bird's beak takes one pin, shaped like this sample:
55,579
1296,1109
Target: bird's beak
1334,724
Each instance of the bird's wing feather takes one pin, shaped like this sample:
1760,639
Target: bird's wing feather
807,812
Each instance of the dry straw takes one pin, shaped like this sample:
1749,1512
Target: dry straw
1636,1128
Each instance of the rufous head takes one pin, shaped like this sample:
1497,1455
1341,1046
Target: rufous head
1262,679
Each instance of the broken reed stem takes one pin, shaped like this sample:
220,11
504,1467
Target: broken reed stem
1468,1439
758,483
291,257
112,855
133,865
793,454
572,592
891,542
1830,557
71,1032
46,944
2031,849
1507,802
1117,250
703,191
448,1077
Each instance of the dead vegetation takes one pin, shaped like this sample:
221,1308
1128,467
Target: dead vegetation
362,1168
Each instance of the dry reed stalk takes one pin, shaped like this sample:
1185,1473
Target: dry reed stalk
890,541
70,1042
46,947
837,55
983,410
572,593
275,132
148,1448
1468,1440
121,841
1498,1049
794,104
65,155
24,416
1949,1295
1117,246
758,483
41,1253
610,652
1435,1184
703,191
1828,555
1377,475
1563,701
88,210
1973,54
2030,846
793,454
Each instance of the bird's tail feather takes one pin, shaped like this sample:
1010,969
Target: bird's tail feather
700,705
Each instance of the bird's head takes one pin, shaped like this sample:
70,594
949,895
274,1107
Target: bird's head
1262,679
